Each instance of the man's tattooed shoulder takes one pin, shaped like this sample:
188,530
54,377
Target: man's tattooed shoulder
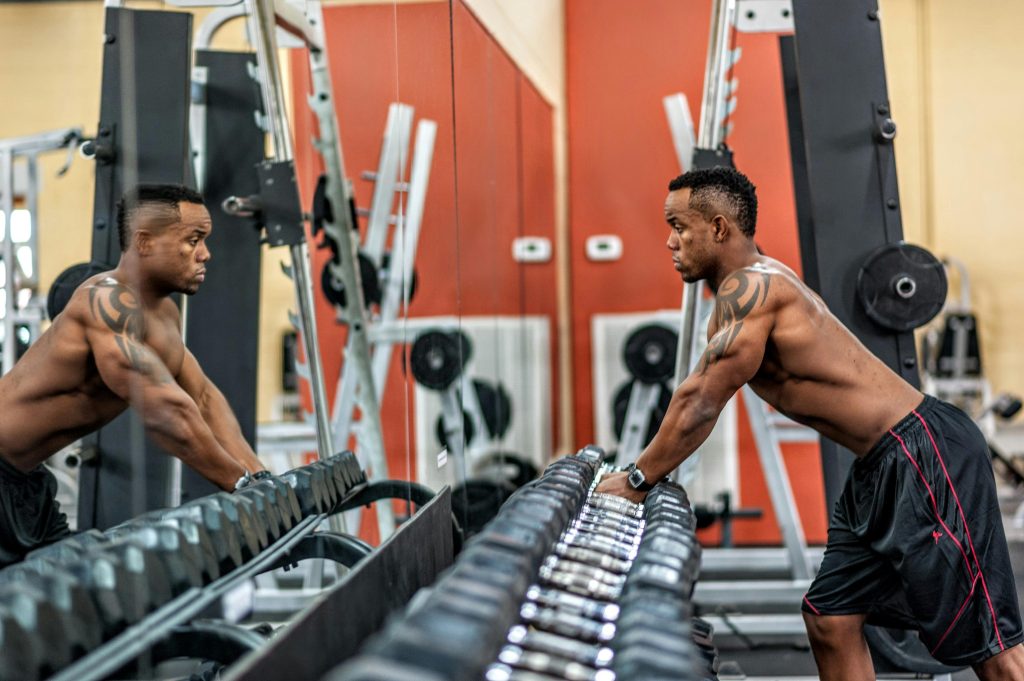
117,307
739,294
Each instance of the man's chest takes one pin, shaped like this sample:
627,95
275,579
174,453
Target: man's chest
164,338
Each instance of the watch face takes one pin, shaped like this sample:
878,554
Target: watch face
635,478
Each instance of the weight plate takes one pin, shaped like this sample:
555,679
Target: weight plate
334,289
66,283
902,286
437,358
650,353
476,502
620,404
385,271
505,467
904,650
496,406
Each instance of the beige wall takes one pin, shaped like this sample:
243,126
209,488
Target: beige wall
953,72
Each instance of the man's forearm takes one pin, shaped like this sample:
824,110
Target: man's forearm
186,436
222,423
687,423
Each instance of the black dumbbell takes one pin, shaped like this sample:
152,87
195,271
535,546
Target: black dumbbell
70,547
652,635
520,535
19,657
592,455
460,654
240,512
133,568
203,552
642,663
310,488
55,632
225,537
642,607
264,500
330,481
531,499
375,668
496,596
181,560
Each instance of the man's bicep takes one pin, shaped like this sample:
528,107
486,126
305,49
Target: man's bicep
731,359
191,377
744,319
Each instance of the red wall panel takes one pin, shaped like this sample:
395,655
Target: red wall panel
537,218
494,136
381,54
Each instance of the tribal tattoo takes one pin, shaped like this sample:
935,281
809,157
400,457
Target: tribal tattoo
737,297
117,307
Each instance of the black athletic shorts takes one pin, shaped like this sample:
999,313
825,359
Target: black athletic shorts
916,540
30,516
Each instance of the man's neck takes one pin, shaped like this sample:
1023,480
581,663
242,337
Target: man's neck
129,272
737,259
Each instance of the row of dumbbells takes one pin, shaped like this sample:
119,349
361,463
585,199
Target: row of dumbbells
558,586
66,599
613,600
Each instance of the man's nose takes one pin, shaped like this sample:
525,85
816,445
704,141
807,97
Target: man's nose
204,254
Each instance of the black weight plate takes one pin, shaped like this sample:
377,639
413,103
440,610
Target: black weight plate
496,406
334,289
904,650
66,283
385,267
437,358
476,502
507,467
902,286
650,353
621,403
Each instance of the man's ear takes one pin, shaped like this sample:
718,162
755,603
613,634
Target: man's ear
143,242
719,228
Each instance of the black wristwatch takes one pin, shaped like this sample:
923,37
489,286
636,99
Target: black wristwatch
635,478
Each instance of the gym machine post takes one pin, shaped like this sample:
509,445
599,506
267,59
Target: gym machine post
16,315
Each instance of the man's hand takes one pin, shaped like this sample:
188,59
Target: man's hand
616,483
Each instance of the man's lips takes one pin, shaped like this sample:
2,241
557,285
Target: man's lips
201,275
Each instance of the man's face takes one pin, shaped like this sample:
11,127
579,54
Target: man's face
179,253
690,239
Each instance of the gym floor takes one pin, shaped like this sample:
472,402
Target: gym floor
794,661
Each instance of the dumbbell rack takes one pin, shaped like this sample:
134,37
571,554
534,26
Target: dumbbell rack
90,605
563,584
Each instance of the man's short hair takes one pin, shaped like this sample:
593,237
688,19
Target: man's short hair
715,189
164,195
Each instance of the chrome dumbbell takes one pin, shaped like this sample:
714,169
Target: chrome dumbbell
561,564
588,654
558,667
565,624
573,604
592,557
